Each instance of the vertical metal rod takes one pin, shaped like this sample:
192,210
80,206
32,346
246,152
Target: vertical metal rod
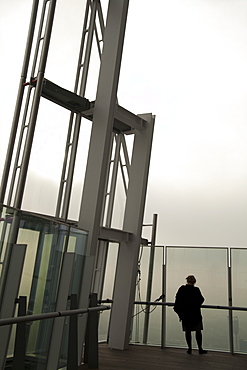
150,278
113,181
20,337
127,164
84,31
18,101
113,137
163,320
88,50
101,19
35,107
126,155
230,311
71,168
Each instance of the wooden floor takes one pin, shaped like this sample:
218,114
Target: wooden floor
154,358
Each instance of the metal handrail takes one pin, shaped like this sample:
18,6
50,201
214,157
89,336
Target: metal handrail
171,304
50,315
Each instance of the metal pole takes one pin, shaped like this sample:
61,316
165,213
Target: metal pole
113,181
19,101
69,180
80,62
230,311
163,320
35,107
150,278
88,50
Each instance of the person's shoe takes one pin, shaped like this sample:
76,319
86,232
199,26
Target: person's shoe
202,351
189,351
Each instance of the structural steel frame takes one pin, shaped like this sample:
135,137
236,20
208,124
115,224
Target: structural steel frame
110,122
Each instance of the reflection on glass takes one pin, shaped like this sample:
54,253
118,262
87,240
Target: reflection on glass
47,240
240,331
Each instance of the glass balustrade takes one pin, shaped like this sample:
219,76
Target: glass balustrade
214,270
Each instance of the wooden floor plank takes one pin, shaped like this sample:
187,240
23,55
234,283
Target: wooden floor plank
154,358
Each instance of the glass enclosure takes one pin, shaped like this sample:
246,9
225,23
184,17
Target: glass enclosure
47,241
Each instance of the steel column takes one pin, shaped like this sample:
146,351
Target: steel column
127,267
100,143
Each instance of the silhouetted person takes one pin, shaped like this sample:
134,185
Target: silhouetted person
188,307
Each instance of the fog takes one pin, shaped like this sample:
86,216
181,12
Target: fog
185,62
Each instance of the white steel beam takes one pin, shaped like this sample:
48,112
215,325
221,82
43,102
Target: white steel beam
123,119
126,273
100,143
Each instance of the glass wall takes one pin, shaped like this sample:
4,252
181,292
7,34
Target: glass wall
139,330
210,265
47,240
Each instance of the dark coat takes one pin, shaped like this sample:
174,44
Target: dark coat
188,306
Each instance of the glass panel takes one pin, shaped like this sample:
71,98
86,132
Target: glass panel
154,329
108,288
46,240
216,329
210,267
174,333
141,293
239,277
154,326
110,270
239,288
240,331
215,333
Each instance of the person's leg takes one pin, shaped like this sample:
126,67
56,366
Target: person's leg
188,340
199,342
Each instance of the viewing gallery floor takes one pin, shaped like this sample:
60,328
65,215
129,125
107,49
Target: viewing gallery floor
154,358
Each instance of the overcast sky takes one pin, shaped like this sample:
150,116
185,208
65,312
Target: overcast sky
185,62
